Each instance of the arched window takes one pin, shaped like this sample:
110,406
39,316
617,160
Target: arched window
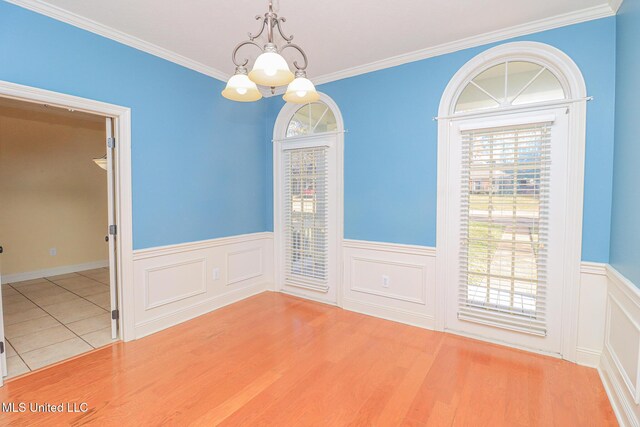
511,139
312,118
509,83
307,165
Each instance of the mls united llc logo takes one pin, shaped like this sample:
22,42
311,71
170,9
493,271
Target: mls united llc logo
18,407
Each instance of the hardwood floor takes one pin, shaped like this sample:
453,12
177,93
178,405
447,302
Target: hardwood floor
275,360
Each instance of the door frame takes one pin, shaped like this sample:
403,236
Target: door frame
122,171
279,134
573,83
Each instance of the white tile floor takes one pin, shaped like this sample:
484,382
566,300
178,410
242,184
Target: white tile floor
51,319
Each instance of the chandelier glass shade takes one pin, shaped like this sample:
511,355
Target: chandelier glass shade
240,88
301,90
270,69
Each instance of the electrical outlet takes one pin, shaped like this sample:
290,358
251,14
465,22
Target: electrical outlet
53,252
216,273
385,281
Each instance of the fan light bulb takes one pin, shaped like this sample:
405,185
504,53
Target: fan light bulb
301,93
241,90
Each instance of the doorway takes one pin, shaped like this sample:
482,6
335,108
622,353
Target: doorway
58,230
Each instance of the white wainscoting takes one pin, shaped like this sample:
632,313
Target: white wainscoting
54,271
620,361
591,313
409,298
179,282
409,295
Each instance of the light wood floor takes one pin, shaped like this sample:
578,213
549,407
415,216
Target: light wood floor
275,360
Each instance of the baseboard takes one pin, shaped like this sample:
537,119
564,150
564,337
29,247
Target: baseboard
203,307
588,357
389,313
54,271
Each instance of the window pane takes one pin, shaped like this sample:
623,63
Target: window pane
299,124
472,99
510,83
312,118
492,80
520,74
505,175
546,87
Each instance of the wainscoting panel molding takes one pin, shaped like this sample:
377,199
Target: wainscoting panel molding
620,361
244,265
391,281
159,289
179,282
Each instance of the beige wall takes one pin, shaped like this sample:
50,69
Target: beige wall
52,195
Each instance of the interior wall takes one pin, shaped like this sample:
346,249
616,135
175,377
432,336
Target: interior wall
52,195
390,154
625,227
198,165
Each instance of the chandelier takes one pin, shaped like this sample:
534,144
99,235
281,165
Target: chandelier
270,68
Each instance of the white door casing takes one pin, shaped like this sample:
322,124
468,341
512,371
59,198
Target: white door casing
571,115
3,357
121,125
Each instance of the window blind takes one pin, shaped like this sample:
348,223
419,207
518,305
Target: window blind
306,217
504,227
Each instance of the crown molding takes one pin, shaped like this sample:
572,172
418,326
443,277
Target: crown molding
576,17
596,12
615,5
70,18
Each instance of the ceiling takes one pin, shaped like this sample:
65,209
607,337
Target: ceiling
337,35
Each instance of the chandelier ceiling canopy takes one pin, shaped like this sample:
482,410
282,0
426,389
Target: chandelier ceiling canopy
270,68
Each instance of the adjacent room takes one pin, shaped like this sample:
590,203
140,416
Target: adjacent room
337,213
54,220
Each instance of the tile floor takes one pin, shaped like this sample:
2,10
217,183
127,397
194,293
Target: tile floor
51,319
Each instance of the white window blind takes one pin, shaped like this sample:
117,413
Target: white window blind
306,217
504,226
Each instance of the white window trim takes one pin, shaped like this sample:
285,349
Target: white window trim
575,89
279,135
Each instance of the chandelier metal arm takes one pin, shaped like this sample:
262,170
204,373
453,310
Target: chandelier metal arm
304,56
235,52
264,24
277,23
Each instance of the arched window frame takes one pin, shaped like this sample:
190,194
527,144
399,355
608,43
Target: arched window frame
561,65
574,86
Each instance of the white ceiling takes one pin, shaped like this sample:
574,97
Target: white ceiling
337,35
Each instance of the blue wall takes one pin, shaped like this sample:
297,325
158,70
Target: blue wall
198,161
390,148
202,166
625,223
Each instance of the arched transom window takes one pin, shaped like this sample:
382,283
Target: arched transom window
507,84
312,118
